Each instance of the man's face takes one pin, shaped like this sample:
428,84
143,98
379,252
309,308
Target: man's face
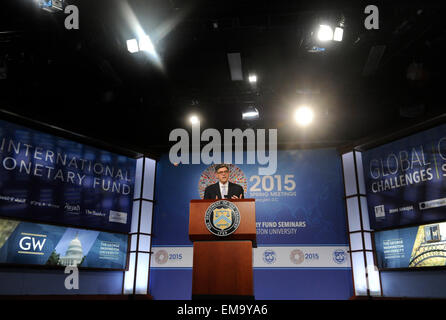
223,174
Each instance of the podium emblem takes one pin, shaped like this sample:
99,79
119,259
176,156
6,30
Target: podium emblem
222,218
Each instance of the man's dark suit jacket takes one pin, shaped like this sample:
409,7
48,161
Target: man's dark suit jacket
212,191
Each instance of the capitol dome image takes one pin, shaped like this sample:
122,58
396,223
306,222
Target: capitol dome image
74,254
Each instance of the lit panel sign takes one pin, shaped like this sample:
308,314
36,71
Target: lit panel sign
414,247
28,243
405,180
51,179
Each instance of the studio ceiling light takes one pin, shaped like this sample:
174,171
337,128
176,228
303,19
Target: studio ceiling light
51,5
132,45
304,116
142,44
194,119
338,34
250,114
325,33
145,44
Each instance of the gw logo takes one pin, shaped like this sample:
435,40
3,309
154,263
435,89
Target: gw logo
32,243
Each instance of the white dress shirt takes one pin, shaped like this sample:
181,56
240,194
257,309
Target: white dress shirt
224,191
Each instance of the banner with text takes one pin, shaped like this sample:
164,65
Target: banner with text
414,247
28,243
405,180
51,179
302,203
300,220
295,257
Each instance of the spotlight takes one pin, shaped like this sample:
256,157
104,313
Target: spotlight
250,114
325,33
132,45
142,44
194,119
252,78
145,44
304,116
51,5
338,34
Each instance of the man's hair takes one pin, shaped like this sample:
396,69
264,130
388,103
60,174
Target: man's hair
219,166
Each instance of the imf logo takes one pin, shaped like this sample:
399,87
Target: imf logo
297,256
269,256
339,256
161,256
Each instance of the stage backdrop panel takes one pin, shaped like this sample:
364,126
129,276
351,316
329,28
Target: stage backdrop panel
413,247
25,243
51,179
405,180
300,221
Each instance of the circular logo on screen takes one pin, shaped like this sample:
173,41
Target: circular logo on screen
297,256
208,177
339,256
161,257
222,218
269,256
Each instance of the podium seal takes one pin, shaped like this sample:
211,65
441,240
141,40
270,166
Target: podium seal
222,218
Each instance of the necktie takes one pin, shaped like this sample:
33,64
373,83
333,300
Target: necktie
224,191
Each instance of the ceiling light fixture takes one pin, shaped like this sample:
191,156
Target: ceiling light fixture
252,78
132,45
338,34
325,33
142,44
145,44
194,119
51,5
304,116
250,113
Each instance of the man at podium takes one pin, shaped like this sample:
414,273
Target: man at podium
223,189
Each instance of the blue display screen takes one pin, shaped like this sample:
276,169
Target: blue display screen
51,179
413,247
28,243
405,180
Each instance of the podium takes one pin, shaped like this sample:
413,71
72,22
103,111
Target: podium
222,264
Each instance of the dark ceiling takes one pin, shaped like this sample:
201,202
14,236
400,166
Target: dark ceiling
373,82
